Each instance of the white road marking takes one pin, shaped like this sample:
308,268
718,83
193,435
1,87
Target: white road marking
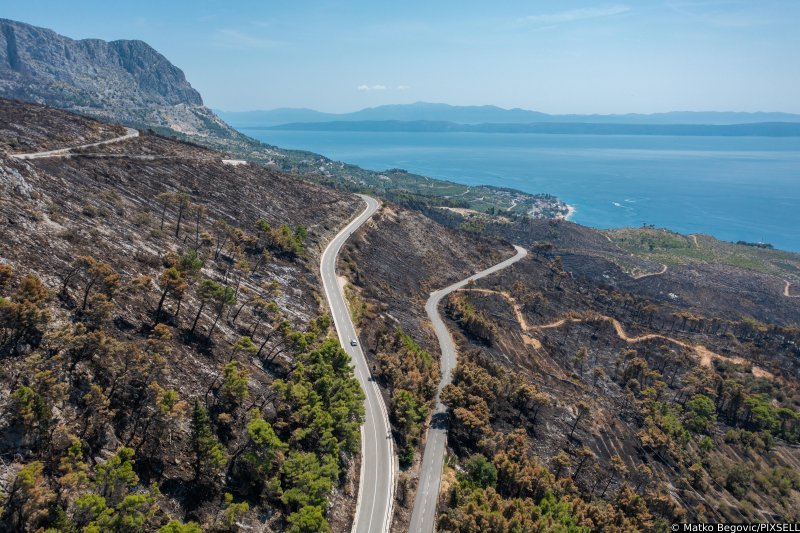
377,458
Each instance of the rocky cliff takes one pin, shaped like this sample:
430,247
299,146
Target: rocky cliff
131,83
126,81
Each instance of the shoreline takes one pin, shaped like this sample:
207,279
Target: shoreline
571,210
676,217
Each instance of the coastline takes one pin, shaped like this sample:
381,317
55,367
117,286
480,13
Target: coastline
505,163
565,216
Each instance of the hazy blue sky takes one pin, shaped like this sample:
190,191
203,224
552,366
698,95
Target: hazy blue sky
559,56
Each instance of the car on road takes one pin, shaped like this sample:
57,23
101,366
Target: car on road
353,342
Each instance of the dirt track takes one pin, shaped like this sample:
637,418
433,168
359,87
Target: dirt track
704,355
662,271
786,290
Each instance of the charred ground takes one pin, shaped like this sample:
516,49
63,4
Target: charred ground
608,380
36,128
598,386
159,311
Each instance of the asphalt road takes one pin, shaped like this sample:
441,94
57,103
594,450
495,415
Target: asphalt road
423,517
130,133
378,460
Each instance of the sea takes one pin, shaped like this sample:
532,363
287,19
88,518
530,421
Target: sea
734,188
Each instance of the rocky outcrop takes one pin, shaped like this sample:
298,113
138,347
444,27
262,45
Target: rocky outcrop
11,179
128,82
124,81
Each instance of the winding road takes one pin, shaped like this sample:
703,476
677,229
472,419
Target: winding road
130,133
378,460
423,517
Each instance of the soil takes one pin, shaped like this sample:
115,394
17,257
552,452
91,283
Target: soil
54,210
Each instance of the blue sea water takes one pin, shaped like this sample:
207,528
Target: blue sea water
735,188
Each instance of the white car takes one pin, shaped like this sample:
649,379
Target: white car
353,342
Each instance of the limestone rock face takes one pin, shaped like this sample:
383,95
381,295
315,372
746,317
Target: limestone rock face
122,81
11,179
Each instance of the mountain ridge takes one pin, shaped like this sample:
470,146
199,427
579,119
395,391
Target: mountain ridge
122,80
493,114
757,129
112,82
619,380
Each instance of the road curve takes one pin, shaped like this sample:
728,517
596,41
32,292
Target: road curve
663,270
378,461
786,291
423,517
130,133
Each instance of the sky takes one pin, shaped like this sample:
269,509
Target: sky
555,56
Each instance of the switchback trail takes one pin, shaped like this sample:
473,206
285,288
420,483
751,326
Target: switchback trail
423,516
660,272
704,355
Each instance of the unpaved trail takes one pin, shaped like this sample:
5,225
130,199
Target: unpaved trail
786,290
508,298
647,275
527,339
130,133
704,355
623,250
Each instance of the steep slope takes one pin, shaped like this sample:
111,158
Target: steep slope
130,83
596,387
35,128
696,272
577,395
391,264
63,71
160,309
123,81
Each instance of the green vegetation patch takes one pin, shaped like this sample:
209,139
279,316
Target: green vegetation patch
673,248
414,348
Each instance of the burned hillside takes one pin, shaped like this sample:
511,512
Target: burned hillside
664,413
392,263
35,128
595,387
159,305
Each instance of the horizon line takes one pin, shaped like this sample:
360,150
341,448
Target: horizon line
599,114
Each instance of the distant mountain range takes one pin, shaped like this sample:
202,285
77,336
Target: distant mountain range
131,83
762,129
423,111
